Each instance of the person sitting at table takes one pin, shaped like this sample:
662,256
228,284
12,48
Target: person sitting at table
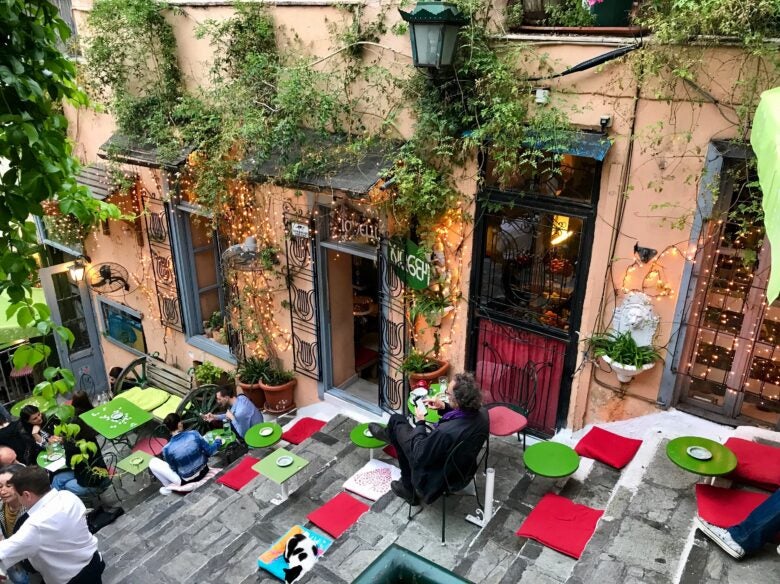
184,459
38,425
748,537
82,404
55,537
422,451
14,437
12,515
8,456
242,413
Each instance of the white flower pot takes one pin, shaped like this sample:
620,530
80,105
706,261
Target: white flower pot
626,373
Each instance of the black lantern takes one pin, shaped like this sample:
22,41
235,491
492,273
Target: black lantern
434,31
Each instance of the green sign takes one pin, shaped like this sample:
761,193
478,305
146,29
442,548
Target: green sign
410,264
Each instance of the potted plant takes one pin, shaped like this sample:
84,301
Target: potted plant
248,376
83,457
206,373
421,366
620,351
278,386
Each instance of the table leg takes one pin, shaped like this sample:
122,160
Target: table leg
370,453
279,499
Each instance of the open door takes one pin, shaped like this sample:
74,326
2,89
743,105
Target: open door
71,306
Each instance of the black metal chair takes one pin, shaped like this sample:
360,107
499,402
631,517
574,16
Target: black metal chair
458,474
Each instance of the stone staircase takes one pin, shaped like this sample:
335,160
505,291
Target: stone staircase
646,535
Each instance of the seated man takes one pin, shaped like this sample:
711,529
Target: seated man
242,413
13,436
7,456
185,457
749,536
422,452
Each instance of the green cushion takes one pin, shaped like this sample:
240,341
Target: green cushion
168,407
146,399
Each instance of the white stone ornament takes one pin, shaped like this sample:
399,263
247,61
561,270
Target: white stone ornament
636,316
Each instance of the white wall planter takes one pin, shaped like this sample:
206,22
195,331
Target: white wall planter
625,373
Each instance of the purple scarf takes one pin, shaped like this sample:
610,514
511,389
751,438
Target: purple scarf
454,414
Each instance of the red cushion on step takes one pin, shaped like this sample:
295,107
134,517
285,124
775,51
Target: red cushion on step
241,474
726,507
607,447
505,421
757,464
561,524
338,514
302,429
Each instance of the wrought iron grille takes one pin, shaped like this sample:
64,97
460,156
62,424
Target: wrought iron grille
302,286
393,392
158,231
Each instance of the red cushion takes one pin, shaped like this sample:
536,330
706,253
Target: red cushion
338,514
505,421
757,464
726,507
612,449
241,474
390,451
303,428
561,524
151,445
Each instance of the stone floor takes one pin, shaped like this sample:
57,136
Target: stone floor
215,534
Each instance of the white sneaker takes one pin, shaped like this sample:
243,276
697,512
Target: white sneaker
721,537
778,549
165,491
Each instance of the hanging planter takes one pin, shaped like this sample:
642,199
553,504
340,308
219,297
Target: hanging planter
625,373
622,354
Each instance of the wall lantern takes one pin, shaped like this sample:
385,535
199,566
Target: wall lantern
76,271
433,27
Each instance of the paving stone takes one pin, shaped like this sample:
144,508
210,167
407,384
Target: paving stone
534,575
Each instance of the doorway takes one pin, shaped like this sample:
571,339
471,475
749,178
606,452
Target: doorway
71,307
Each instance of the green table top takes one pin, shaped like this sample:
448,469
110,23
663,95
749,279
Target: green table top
723,460
226,436
115,418
36,400
551,459
431,415
268,467
254,439
135,462
362,438
43,459
146,399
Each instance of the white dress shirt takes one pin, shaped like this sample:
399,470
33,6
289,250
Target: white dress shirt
54,538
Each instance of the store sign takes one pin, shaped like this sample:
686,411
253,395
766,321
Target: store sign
410,264
299,230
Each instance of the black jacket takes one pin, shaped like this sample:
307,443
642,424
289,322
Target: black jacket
429,451
20,441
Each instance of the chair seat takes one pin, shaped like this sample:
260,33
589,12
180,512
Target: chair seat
152,445
505,421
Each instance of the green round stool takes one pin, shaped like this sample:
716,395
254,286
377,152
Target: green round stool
258,435
362,438
551,459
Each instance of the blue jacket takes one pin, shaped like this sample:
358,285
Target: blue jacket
245,415
187,453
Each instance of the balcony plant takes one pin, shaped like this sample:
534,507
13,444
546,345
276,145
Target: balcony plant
622,354
249,374
419,366
206,373
278,385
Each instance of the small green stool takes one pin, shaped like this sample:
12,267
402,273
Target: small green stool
551,459
362,438
258,435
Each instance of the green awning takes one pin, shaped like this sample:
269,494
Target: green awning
765,140
10,331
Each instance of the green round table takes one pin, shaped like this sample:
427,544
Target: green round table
226,436
551,459
255,439
43,459
362,438
431,415
723,460
38,401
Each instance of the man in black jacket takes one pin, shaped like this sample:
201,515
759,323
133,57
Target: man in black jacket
422,451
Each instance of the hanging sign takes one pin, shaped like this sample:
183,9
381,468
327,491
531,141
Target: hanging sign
410,263
299,230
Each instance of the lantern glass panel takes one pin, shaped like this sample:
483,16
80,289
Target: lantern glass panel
428,43
448,49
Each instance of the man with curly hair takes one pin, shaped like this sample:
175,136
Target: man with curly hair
423,450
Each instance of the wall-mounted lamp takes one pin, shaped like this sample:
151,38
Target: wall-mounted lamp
76,270
644,254
433,27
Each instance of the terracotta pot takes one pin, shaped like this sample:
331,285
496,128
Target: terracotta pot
429,377
279,398
253,391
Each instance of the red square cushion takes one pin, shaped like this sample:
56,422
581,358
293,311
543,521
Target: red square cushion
241,474
561,524
505,421
612,449
302,429
338,514
758,464
152,445
726,507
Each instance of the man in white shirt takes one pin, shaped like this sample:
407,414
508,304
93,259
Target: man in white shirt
55,538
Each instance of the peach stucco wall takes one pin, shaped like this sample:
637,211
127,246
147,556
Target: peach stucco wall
663,169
